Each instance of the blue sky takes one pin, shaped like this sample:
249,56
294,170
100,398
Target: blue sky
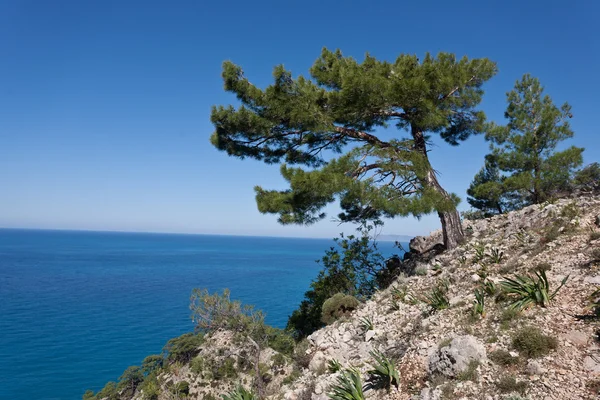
104,105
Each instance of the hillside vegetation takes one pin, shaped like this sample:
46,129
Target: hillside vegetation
511,313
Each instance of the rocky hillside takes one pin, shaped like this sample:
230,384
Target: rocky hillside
477,322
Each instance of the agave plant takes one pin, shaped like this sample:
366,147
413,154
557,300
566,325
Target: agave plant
366,324
334,366
240,393
437,299
496,255
384,372
479,304
530,290
348,386
479,253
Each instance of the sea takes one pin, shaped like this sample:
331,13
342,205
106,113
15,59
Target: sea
77,307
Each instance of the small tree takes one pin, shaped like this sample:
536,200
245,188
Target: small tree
350,268
336,112
588,178
130,379
525,149
489,193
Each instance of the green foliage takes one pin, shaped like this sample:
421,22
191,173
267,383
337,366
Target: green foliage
214,312
300,353
487,192
469,374
479,304
181,389
503,357
278,339
532,343
588,177
334,366
437,299
366,324
224,369
509,384
240,393
108,392
337,306
294,120
352,268
496,256
89,395
152,363
525,148
183,348
384,372
527,290
130,379
348,386
479,253
150,388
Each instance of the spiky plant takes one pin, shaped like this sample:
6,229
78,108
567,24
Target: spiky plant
479,253
334,366
366,324
437,299
479,304
347,387
489,287
528,290
496,256
239,393
384,372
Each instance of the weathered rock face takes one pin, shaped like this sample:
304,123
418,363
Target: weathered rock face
423,244
455,358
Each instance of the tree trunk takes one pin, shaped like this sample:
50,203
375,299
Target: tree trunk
451,226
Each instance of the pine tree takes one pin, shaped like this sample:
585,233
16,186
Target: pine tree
525,149
327,124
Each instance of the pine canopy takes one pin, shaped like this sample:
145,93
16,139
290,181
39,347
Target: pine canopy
327,131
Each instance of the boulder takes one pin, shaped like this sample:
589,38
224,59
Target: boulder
455,358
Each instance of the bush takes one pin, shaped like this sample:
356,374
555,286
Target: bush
181,388
437,299
279,340
152,363
130,379
355,268
300,354
532,343
503,357
183,348
337,306
508,384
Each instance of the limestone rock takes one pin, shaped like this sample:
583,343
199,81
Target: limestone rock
455,358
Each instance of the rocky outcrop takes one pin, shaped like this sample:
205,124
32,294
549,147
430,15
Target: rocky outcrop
462,353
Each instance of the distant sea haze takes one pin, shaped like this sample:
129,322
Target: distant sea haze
77,308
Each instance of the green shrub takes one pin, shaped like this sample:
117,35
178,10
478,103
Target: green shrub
108,392
348,386
150,388
225,369
509,384
532,343
470,374
301,357
197,365
240,393
337,306
528,290
181,389
503,357
152,363
278,360
279,340
570,211
295,374
130,379
183,348
384,372
354,267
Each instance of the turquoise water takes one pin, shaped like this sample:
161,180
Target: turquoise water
77,308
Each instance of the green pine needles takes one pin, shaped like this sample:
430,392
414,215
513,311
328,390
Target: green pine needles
295,121
528,290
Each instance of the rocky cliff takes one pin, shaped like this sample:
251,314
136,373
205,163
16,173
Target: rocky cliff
455,325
